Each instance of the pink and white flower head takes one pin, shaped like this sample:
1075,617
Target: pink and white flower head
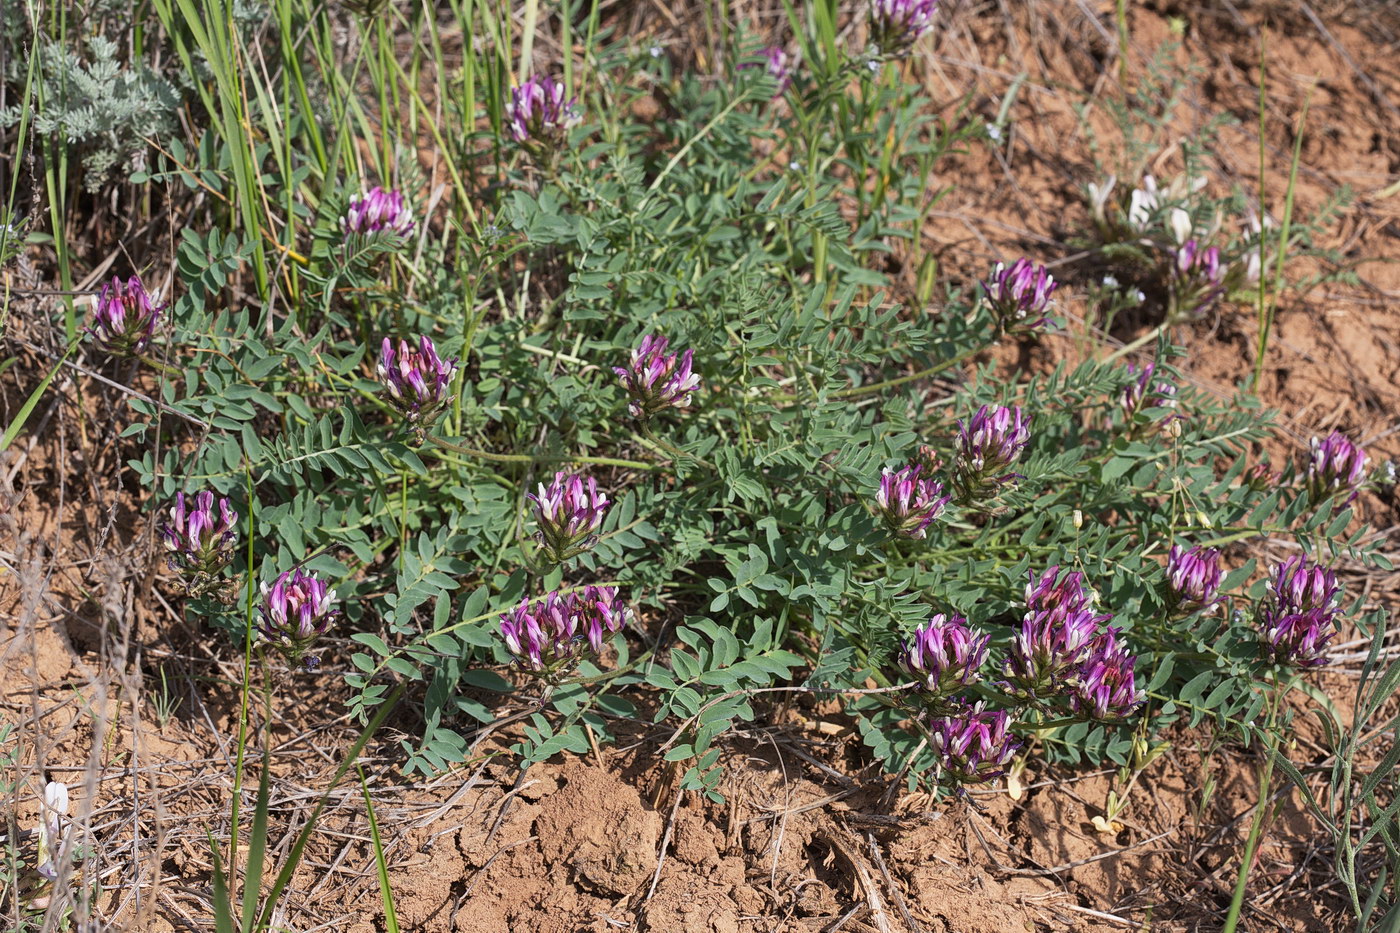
987,446
199,539
377,212
1336,467
416,379
538,116
569,513
895,25
125,316
972,743
295,610
1105,686
1019,295
944,654
1055,634
49,854
1298,616
1193,576
909,502
549,635
655,380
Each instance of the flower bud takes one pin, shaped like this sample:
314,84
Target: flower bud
125,316
1197,278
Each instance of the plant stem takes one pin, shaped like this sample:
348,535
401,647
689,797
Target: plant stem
1256,828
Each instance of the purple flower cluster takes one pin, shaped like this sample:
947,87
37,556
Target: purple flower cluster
294,611
1055,632
972,744
944,654
1019,296
377,212
125,316
569,512
1337,467
1105,686
895,25
987,446
656,380
1298,617
199,540
1060,648
1197,278
416,379
546,634
1140,394
537,115
908,502
1193,575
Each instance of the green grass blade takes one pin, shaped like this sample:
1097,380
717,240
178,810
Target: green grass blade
257,842
223,910
27,409
386,893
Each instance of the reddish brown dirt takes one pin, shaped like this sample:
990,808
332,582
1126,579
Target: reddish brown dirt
804,842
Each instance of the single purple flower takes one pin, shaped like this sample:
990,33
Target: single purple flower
973,744
569,512
1019,296
200,540
944,654
1194,577
1105,686
125,316
296,609
987,446
1198,281
1337,467
377,211
1298,615
537,115
895,25
416,379
1140,394
655,380
907,502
